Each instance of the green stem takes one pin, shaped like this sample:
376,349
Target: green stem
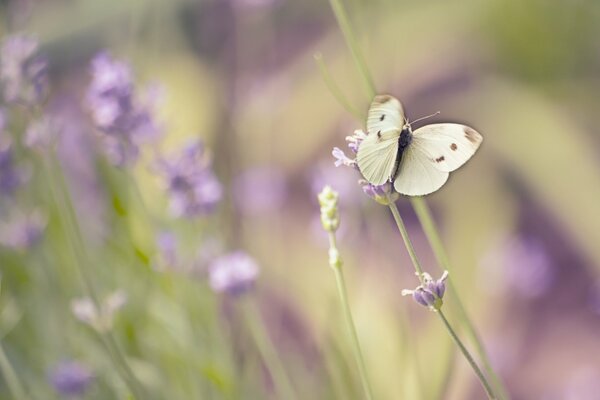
344,23
341,287
78,247
10,376
407,241
268,353
463,349
435,241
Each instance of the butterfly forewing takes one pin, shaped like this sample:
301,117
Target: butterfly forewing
385,113
417,176
447,146
376,157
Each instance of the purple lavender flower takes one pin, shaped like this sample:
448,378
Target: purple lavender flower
124,118
193,188
382,194
23,232
167,251
341,158
260,190
233,273
430,292
23,77
71,378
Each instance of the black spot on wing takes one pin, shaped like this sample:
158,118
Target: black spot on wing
471,134
440,159
382,117
453,147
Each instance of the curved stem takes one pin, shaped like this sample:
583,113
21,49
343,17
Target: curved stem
341,287
463,349
10,376
268,353
435,241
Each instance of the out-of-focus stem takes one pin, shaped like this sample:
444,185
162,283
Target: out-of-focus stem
10,376
341,287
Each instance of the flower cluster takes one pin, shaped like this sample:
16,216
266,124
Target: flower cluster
383,194
233,273
23,77
101,319
193,188
430,292
71,378
330,216
123,117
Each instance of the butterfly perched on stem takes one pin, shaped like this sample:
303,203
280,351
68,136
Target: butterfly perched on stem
417,163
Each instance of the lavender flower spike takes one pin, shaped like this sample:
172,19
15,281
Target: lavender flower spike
71,378
430,292
233,273
23,77
193,188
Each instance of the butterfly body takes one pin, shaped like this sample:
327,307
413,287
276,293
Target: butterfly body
418,162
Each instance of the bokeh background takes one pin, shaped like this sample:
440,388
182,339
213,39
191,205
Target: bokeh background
520,221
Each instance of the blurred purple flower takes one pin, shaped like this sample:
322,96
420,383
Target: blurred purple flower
341,158
23,77
11,177
260,190
43,133
193,187
123,117
382,194
23,232
233,273
519,264
167,250
582,383
71,378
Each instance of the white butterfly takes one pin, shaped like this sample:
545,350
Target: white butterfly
419,162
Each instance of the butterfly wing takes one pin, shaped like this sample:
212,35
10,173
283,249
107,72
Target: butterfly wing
417,175
448,146
376,156
385,113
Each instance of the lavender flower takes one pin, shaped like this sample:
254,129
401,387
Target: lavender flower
23,77
167,251
430,292
101,319
330,216
193,188
23,232
233,273
383,194
341,158
125,120
260,190
71,378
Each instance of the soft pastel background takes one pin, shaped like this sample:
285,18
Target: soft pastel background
520,221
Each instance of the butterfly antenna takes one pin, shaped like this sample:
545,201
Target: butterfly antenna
425,117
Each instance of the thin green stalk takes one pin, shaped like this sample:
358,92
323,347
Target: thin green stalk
407,241
463,349
419,271
341,287
77,244
10,376
268,353
334,88
435,241
344,23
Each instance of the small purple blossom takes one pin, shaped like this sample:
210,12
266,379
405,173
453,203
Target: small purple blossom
117,111
233,273
430,293
23,232
71,378
23,77
260,190
383,194
193,187
341,158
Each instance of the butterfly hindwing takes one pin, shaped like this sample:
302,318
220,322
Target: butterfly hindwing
447,146
376,157
385,113
417,175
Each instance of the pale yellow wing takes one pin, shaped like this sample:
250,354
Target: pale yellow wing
417,175
385,114
448,146
376,157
